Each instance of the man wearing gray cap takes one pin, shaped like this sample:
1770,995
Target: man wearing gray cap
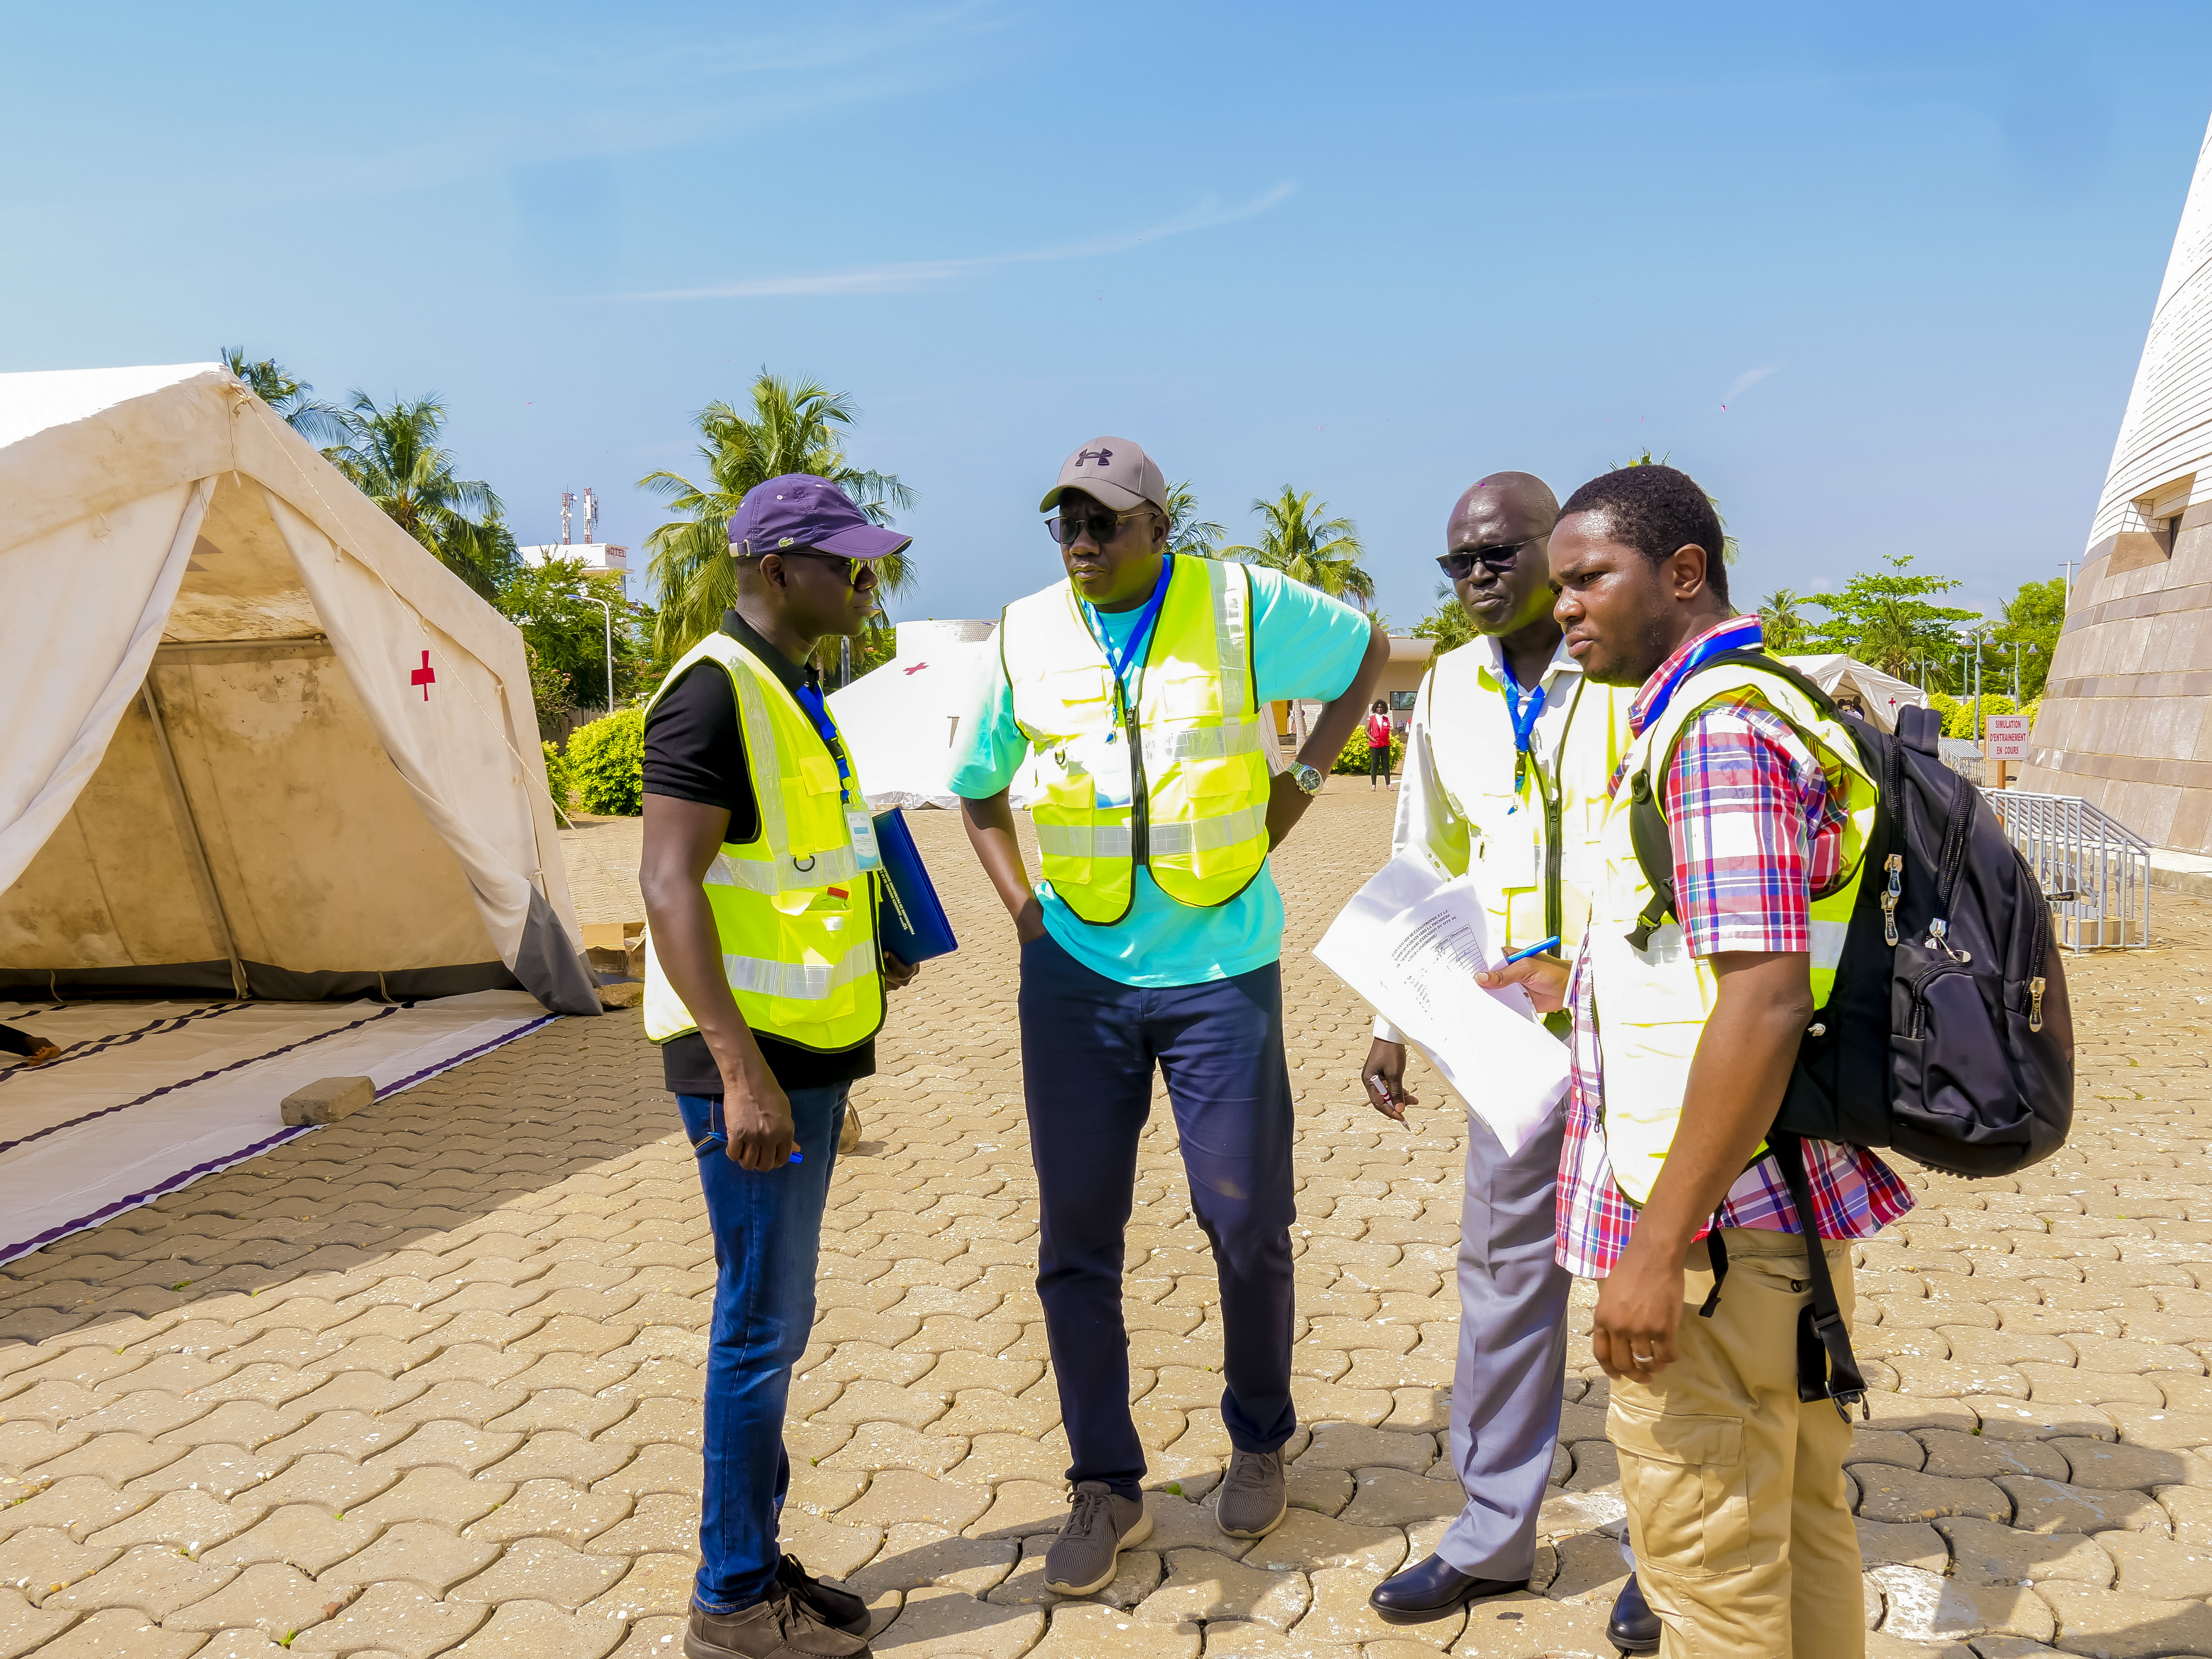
1140,685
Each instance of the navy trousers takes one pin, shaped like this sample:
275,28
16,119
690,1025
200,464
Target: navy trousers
1089,1047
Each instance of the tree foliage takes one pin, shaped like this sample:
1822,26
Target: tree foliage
1448,624
792,426
1307,547
555,605
1889,620
317,421
1188,534
1784,625
2032,617
392,454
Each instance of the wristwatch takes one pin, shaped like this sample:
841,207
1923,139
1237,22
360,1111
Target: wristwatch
1308,778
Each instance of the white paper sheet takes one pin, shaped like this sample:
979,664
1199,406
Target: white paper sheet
1411,943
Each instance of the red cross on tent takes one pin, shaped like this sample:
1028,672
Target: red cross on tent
917,668
424,677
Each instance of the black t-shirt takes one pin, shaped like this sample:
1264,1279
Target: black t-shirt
694,751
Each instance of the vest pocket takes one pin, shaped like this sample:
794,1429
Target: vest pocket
1684,1476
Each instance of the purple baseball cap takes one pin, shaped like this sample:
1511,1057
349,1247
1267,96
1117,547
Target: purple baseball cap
800,510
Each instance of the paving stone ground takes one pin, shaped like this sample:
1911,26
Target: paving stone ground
428,1381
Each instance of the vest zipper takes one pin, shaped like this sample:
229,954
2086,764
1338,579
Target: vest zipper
1554,903
1140,805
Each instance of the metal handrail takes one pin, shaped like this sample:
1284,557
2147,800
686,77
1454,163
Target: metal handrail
2094,870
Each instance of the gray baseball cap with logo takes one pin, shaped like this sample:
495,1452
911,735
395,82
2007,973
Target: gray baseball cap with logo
1112,471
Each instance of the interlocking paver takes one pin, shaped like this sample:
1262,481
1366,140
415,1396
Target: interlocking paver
504,1373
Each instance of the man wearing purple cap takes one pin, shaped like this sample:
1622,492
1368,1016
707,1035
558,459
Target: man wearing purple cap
1141,684
764,989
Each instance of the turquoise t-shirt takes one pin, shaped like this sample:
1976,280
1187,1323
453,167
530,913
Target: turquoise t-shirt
1304,645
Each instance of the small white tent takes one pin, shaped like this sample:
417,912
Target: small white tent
1880,694
909,721
259,742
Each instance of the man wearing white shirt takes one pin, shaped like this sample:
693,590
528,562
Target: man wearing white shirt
1507,759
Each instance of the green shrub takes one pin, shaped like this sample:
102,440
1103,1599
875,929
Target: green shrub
559,777
1958,713
1353,761
606,763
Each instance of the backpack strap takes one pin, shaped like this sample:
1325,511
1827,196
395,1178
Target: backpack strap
1826,1369
1647,824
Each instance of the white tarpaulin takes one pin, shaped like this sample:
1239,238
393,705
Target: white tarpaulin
149,1096
258,740
1880,694
908,720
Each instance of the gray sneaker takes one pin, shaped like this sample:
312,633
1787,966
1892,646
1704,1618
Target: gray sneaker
1100,1526
1251,1505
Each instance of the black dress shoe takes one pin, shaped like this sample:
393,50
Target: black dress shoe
837,1608
1432,1590
1634,1628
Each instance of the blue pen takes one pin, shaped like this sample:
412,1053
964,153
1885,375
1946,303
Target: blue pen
715,1140
1535,950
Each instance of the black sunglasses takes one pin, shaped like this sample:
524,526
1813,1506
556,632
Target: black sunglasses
1104,526
849,571
1497,560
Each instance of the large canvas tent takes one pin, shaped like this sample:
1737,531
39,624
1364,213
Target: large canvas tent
1880,694
259,742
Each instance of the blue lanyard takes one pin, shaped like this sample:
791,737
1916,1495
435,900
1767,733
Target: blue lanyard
809,699
1739,634
1524,708
1118,657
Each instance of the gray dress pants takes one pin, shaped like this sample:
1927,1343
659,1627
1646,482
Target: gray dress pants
1512,1352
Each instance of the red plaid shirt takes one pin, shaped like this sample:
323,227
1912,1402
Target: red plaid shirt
1756,831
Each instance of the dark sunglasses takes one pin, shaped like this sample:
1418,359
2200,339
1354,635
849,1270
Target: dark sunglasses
849,571
1497,560
1104,526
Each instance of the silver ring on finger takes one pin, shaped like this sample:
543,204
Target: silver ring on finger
1641,1359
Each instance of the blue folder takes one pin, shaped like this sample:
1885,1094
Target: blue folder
909,920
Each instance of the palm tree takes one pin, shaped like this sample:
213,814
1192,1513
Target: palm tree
791,429
1321,552
1778,615
317,421
392,457
1188,534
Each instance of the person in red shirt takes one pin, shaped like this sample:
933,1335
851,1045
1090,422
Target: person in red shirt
1378,744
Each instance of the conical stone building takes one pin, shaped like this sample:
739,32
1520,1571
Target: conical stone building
2123,716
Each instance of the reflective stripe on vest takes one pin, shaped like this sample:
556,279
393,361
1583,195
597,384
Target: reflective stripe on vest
794,915
1652,1004
1199,761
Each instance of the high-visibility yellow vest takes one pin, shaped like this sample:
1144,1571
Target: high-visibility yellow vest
1180,781
1534,851
1652,1004
794,914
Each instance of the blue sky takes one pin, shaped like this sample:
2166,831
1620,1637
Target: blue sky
1373,251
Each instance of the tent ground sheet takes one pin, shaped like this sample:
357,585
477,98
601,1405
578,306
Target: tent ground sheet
151,1096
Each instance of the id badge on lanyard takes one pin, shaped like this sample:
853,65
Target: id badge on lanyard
862,826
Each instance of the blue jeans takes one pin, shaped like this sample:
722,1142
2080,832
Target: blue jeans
767,1237
1089,1048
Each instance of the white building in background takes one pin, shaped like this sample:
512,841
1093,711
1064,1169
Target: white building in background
2123,716
597,555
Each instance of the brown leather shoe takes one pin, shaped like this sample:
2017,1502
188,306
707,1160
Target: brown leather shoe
781,1627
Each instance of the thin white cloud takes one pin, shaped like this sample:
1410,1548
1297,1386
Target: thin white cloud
909,275
1745,381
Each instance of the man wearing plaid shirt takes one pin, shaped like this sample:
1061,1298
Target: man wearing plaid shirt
1737,1505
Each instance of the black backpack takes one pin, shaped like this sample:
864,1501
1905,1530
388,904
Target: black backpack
1947,1036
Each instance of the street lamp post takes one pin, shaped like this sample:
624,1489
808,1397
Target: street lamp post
609,609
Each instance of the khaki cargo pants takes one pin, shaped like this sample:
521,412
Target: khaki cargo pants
1744,1541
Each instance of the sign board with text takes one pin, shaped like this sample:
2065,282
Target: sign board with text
2008,737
